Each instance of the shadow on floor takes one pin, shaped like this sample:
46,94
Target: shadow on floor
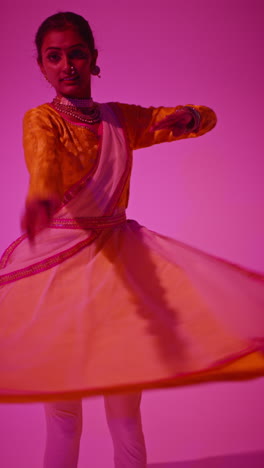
242,460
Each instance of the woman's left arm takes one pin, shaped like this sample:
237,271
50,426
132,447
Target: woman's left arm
149,126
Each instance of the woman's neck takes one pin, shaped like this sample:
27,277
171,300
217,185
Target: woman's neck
75,102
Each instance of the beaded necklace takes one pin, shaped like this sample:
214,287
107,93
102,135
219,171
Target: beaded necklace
84,110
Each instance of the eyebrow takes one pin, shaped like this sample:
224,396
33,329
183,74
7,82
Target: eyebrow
71,47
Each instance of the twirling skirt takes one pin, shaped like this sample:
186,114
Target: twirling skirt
133,310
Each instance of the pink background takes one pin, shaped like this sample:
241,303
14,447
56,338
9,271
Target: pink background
207,192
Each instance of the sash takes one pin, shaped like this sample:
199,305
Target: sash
88,207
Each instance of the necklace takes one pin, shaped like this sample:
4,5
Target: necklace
75,102
84,110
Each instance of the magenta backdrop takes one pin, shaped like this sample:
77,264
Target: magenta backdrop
207,192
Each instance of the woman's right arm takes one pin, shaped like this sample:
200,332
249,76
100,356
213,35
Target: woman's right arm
42,154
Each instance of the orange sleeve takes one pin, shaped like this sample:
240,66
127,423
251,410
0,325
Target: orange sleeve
138,120
42,155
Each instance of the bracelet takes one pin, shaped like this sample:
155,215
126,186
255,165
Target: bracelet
194,125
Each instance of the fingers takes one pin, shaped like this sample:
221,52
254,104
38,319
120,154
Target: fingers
180,118
37,216
166,123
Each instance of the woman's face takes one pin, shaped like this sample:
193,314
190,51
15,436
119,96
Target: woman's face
62,50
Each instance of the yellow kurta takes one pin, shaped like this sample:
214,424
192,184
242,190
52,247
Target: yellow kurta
58,153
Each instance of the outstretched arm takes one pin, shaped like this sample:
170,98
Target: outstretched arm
149,126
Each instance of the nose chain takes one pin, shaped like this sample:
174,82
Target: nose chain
72,70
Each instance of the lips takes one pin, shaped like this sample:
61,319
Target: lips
70,78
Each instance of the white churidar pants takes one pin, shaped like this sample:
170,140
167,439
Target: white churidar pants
64,428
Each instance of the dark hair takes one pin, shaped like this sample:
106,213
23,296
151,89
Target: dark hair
61,21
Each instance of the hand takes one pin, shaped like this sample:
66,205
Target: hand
37,216
180,122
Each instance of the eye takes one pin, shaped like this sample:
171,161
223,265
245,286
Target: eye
78,53
53,57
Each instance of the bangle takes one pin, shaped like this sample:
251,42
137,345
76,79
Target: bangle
194,125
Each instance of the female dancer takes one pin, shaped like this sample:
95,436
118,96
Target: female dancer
92,303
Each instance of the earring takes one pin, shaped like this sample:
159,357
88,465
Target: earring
96,71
